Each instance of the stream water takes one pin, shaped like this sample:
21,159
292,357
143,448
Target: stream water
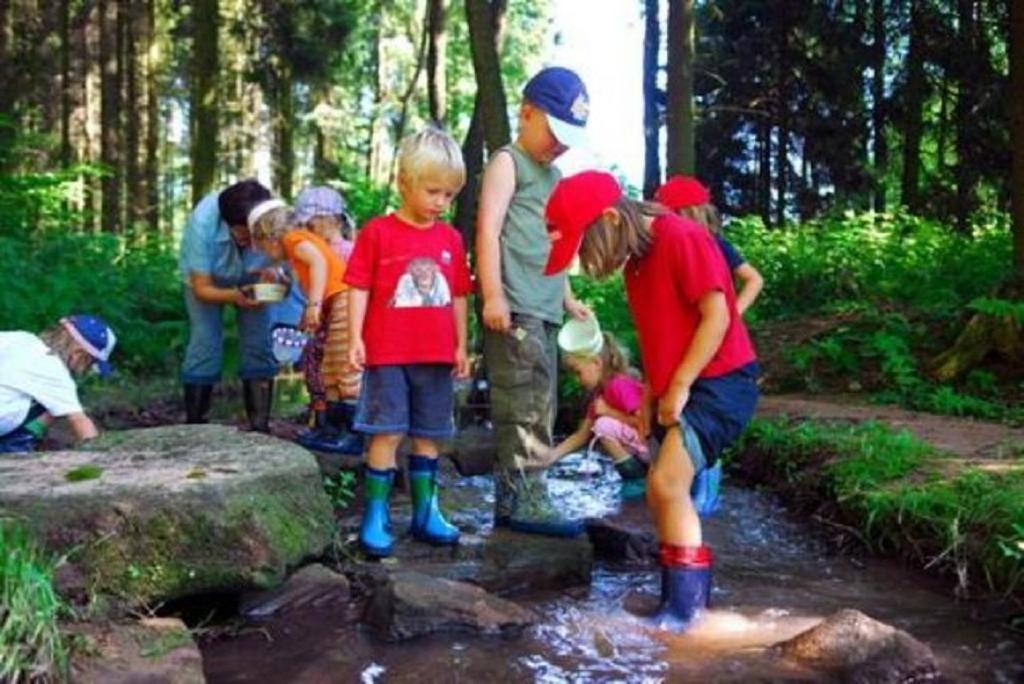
773,578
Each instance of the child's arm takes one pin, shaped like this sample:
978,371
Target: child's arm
572,443
714,322
311,256
603,408
357,300
573,306
751,287
461,336
205,290
82,426
499,183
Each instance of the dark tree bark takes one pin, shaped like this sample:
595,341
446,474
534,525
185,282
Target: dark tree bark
1017,132
965,100
652,115
764,186
680,148
473,147
151,214
205,22
487,70
881,149
782,110
436,50
110,116
284,131
134,29
66,150
913,123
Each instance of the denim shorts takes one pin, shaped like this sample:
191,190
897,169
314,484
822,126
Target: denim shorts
691,442
414,399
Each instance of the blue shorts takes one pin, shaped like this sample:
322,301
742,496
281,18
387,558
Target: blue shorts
414,399
690,442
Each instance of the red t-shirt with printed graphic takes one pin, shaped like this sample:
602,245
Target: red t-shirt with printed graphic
413,274
664,288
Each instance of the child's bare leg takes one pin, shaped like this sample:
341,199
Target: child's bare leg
381,454
614,449
668,493
424,447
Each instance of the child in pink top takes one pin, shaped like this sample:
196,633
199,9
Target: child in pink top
612,416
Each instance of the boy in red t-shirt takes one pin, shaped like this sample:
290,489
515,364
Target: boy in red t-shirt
698,358
409,281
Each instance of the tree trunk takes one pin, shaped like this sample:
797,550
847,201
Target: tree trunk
1017,132
436,49
652,116
151,213
480,16
110,116
325,163
881,150
66,151
913,123
375,127
964,172
134,181
284,132
6,77
782,109
765,177
205,22
680,151
473,150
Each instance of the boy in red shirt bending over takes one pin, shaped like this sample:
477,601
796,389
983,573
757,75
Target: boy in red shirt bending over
409,280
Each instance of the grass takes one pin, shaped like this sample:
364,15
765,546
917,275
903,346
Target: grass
31,645
83,473
901,495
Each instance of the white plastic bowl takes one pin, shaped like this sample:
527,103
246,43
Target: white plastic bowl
581,337
269,292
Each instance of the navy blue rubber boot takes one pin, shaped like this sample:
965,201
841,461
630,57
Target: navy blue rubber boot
341,415
374,537
685,586
428,524
705,490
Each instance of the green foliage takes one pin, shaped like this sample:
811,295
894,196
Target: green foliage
999,307
83,473
340,488
899,491
136,288
31,645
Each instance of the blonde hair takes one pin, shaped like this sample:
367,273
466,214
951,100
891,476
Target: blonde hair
60,342
274,224
432,153
607,244
613,357
705,214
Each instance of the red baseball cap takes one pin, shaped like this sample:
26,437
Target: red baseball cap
679,192
575,203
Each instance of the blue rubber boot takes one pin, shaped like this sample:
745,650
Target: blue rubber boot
374,537
320,436
685,586
341,414
428,524
634,478
705,490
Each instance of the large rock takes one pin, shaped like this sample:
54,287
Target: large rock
314,586
406,604
852,647
153,650
621,542
151,515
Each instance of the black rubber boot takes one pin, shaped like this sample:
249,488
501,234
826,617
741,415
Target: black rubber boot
197,403
258,395
342,415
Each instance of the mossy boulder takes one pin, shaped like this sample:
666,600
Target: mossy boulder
173,511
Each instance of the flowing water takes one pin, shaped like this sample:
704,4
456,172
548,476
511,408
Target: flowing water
773,578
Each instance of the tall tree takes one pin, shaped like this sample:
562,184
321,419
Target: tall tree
878,106
1017,131
436,50
65,83
487,69
204,101
110,115
914,97
473,144
680,154
151,214
134,33
652,108
965,102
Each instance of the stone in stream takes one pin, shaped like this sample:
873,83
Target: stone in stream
621,542
409,604
152,650
150,515
314,586
852,647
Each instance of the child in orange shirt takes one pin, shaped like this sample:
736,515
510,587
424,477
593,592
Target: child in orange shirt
320,272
